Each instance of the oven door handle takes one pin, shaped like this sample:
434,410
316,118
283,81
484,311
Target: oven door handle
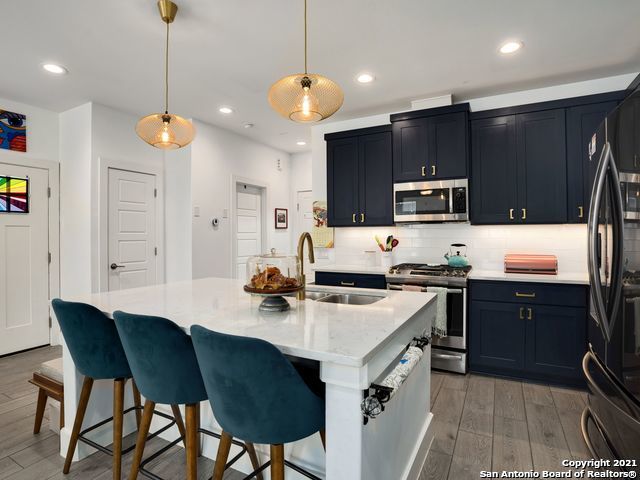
391,286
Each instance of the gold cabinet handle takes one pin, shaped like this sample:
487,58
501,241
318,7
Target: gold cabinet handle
529,313
524,213
511,214
433,170
580,212
423,171
353,218
362,218
525,295
347,284
521,313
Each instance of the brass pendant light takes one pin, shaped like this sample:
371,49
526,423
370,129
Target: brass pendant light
165,130
305,97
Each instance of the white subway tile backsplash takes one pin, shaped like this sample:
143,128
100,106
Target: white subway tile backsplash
486,245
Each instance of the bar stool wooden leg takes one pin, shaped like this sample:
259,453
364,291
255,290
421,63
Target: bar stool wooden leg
77,424
191,415
137,402
118,409
62,413
222,456
178,417
253,456
42,404
143,431
198,420
277,462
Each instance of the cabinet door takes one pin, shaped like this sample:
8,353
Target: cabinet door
375,180
342,182
493,170
626,135
542,167
497,336
582,122
448,149
556,340
410,150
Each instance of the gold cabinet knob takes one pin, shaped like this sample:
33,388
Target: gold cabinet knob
433,170
423,171
511,214
353,218
529,313
524,213
521,313
362,218
580,212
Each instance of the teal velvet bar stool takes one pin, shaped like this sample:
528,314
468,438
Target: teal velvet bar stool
95,347
166,370
256,395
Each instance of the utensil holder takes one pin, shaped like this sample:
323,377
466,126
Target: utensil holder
386,259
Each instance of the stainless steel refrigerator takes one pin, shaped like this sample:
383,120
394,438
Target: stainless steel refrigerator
611,420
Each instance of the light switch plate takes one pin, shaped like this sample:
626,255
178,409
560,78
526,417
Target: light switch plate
196,211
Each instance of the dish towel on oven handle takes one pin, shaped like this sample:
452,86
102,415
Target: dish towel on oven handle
439,326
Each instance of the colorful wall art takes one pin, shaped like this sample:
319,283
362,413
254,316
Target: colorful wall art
13,131
14,195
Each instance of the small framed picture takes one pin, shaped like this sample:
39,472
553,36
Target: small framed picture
282,218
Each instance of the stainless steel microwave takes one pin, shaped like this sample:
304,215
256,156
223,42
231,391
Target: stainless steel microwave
439,201
630,189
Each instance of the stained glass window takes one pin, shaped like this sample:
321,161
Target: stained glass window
14,195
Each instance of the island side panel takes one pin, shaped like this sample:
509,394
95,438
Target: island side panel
358,451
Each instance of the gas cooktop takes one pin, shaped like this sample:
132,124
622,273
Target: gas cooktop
426,273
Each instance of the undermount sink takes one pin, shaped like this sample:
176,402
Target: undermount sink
350,299
315,295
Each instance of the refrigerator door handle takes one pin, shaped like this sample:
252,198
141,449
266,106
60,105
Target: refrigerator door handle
594,271
617,262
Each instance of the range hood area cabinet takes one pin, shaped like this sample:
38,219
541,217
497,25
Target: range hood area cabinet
530,164
431,144
359,177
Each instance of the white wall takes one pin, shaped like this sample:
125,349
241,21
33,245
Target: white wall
42,132
301,179
217,155
487,244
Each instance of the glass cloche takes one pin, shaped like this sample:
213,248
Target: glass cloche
273,275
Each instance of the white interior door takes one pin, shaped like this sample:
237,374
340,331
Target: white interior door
132,229
248,226
24,263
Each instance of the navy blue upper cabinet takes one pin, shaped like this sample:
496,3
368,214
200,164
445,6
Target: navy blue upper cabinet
342,181
542,167
494,195
430,144
582,122
359,177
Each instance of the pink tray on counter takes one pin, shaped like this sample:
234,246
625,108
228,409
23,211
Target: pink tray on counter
530,263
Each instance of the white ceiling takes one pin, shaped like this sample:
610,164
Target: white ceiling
229,52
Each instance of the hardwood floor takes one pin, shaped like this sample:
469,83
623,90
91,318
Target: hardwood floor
481,423
492,424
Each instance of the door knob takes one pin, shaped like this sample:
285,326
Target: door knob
115,266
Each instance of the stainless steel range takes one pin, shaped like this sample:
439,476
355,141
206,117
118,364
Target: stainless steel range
450,352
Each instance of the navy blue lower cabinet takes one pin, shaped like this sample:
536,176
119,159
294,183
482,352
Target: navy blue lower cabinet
358,280
556,340
533,331
497,336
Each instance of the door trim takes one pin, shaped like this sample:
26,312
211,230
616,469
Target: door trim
100,252
235,179
53,169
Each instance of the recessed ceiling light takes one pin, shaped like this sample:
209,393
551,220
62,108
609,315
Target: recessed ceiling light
301,143
54,68
511,47
248,125
225,110
365,78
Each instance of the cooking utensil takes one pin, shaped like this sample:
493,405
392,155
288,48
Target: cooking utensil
377,239
394,243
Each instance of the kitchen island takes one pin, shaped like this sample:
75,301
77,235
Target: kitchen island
353,345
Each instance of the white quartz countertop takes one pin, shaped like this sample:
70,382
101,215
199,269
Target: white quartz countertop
376,270
568,278
344,334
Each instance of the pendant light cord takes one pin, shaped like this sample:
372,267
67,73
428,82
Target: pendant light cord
305,36
166,73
